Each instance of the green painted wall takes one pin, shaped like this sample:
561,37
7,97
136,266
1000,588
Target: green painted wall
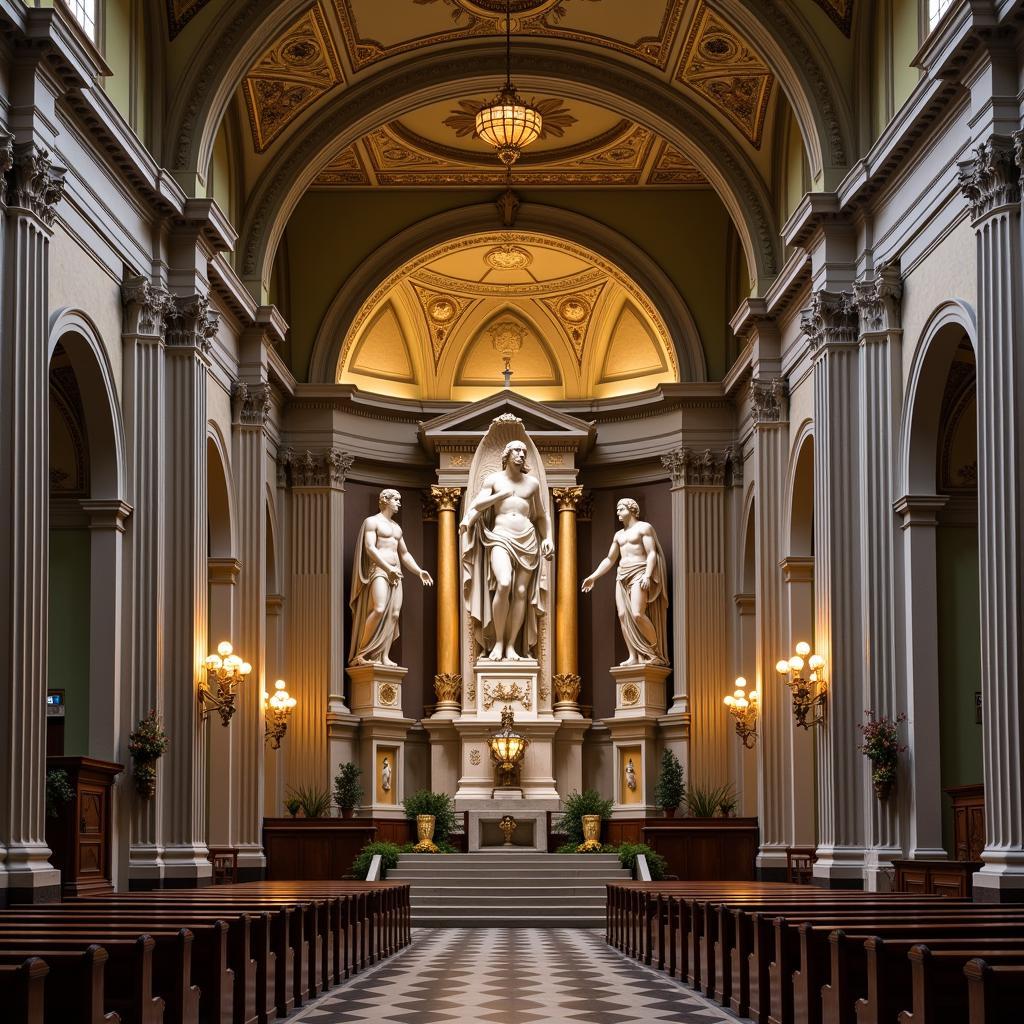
906,42
686,232
221,184
117,51
68,665
959,662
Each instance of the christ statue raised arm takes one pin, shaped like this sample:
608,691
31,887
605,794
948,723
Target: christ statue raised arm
505,535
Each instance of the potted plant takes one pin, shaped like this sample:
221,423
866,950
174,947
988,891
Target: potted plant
313,802
347,791
575,808
882,748
58,791
292,805
670,788
147,744
439,806
704,802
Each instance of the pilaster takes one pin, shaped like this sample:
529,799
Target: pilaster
447,680
566,679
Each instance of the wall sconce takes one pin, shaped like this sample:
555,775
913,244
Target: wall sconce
279,707
810,694
226,670
744,707
507,749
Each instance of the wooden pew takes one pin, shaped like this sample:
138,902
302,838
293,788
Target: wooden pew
75,993
21,990
995,993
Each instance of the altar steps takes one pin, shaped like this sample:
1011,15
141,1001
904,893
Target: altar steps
508,890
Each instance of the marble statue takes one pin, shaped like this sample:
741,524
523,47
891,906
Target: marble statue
385,775
376,595
504,537
630,775
641,598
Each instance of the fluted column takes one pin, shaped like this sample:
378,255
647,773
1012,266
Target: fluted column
990,183
316,653
251,408
830,325
34,187
881,400
189,336
701,630
566,679
448,679
146,307
770,411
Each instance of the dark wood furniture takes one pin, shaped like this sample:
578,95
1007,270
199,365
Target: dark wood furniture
936,877
968,821
80,835
225,864
721,849
800,864
317,849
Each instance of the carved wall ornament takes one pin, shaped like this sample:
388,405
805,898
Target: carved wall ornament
448,687
567,687
506,693
251,404
574,312
697,469
991,179
387,694
831,319
585,507
475,757
630,695
554,459
878,300
672,168
770,398
720,65
6,161
34,182
345,169
190,323
442,311
146,306
314,469
508,257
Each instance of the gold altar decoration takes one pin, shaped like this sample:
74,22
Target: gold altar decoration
508,825
448,688
810,694
591,834
744,708
224,670
387,694
425,834
507,748
279,707
567,687
630,695
504,693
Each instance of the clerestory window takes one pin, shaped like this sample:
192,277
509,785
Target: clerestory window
84,12
936,9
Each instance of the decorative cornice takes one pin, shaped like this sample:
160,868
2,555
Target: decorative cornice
697,469
878,300
251,404
990,180
147,306
770,398
34,182
327,468
567,498
191,324
831,319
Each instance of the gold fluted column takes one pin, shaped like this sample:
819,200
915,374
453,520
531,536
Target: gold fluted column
566,680
448,680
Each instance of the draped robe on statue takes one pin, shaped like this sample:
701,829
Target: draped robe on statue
626,577
364,572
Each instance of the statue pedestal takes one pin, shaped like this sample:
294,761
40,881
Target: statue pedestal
377,690
497,683
640,690
478,779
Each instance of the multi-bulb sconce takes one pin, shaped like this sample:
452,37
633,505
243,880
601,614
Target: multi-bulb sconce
810,693
744,707
279,706
224,670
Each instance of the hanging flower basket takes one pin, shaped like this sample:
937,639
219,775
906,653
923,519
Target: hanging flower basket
147,744
882,747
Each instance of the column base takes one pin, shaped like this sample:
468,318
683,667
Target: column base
1001,880
839,868
252,864
186,867
29,876
771,863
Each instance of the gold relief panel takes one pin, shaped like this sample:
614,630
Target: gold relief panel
346,169
724,68
574,312
672,168
296,71
441,311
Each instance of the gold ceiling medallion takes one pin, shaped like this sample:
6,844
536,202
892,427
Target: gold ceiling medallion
840,11
721,66
508,257
574,312
292,74
442,311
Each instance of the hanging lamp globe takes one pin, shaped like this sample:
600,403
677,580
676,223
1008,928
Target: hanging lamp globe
508,124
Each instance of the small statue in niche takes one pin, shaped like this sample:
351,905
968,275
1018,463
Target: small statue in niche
385,775
641,599
376,596
630,775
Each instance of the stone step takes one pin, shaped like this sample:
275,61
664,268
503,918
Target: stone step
570,859
415,877
483,920
538,904
478,892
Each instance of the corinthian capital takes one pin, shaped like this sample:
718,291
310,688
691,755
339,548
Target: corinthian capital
567,498
313,469
830,319
6,161
444,499
878,300
251,404
147,306
697,469
34,182
191,324
770,398
991,178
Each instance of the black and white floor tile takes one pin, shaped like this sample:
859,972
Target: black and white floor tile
511,976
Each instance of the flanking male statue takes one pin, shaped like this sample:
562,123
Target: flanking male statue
641,579
504,537
376,595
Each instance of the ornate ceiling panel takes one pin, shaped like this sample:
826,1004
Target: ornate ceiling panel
574,310
180,13
672,168
840,11
718,64
296,71
644,29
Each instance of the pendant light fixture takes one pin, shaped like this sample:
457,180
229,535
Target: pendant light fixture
507,122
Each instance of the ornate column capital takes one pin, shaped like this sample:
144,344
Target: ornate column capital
191,324
326,468
34,182
770,398
146,305
990,179
567,498
830,320
445,499
251,405
878,300
6,161
697,469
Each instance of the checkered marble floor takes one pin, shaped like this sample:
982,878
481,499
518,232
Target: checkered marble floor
511,976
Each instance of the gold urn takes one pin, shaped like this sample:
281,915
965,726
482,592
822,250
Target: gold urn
508,825
425,834
591,834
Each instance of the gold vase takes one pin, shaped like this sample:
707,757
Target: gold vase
425,834
508,825
591,834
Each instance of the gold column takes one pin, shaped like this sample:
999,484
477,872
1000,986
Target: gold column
448,680
566,680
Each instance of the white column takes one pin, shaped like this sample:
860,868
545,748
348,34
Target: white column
881,400
251,407
143,388
990,183
316,652
30,199
189,335
745,758
830,325
680,705
273,775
